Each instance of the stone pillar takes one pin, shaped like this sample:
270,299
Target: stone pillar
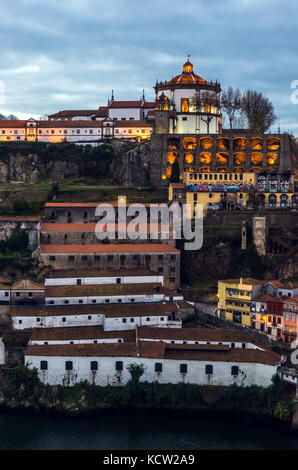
244,235
259,233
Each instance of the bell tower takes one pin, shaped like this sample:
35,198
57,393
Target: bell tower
162,114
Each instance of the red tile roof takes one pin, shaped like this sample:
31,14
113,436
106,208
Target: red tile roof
195,334
4,287
81,227
268,298
26,284
110,311
180,352
110,248
103,290
102,111
13,123
72,113
79,333
154,349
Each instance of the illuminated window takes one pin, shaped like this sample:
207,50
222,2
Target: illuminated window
184,105
207,107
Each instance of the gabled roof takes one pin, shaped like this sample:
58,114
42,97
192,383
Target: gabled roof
154,349
79,333
94,290
73,112
109,311
26,284
195,334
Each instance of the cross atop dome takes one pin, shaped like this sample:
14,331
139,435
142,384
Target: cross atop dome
188,67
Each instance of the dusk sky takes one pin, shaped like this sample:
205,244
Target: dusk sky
69,55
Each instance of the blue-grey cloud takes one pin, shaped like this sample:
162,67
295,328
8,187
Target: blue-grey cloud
71,54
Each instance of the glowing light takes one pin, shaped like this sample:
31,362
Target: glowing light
256,158
205,157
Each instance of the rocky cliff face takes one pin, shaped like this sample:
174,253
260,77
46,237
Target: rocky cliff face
139,165
30,168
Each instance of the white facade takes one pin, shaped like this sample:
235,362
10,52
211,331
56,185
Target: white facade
129,114
224,343
249,373
56,321
104,299
129,323
2,352
109,323
72,281
5,295
73,131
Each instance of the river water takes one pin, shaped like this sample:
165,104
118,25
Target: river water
138,431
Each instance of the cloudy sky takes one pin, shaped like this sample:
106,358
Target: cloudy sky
70,54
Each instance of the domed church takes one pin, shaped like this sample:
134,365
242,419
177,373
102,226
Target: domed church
187,104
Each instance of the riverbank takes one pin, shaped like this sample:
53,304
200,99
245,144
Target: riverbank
22,392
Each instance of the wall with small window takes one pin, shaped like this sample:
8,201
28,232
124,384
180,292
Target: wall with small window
113,370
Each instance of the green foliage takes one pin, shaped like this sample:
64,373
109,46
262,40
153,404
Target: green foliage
92,161
18,241
284,410
24,385
247,263
22,207
136,371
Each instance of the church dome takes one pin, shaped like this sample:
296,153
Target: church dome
187,76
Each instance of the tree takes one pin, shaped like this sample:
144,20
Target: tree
231,104
175,175
258,110
202,101
136,371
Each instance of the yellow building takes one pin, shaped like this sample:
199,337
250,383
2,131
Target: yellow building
234,299
211,189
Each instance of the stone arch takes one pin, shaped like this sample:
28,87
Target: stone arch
256,158
256,143
205,157
222,158
239,158
189,143
239,143
173,143
206,143
223,143
273,143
